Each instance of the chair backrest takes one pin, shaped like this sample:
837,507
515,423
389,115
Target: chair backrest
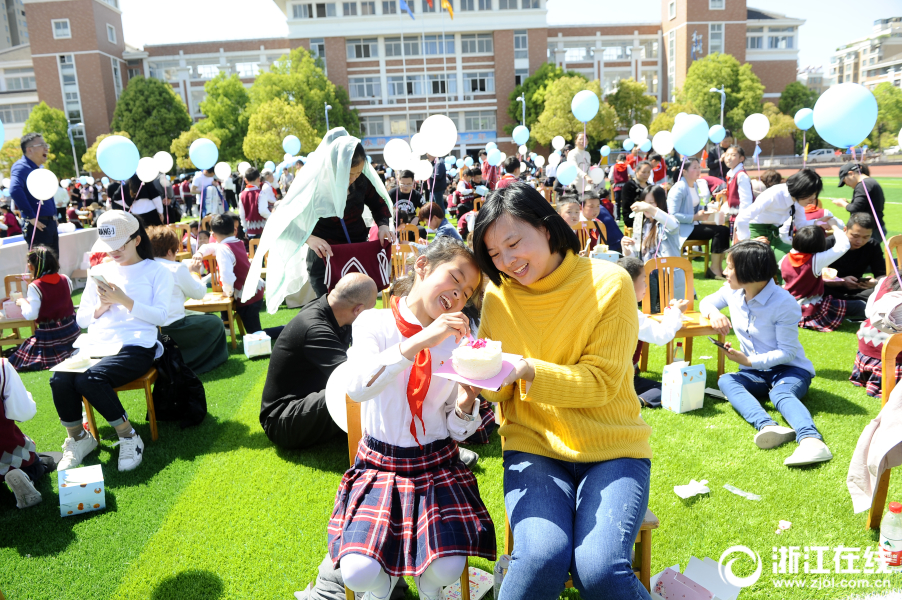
891,349
477,204
18,283
355,431
582,230
215,282
252,248
399,255
667,266
408,233
183,231
549,195
893,243
205,222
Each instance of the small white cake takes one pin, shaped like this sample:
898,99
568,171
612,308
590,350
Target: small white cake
477,359
77,362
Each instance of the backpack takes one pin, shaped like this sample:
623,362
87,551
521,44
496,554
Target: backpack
178,394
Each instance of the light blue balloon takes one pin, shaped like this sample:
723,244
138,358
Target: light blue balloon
521,135
490,146
468,161
453,172
291,144
118,157
533,155
388,171
83,180
717,133
628,145
203,153
449,160
459,163
558,152
269,165
804,119
646,146
369,159
585,106
845,114
605,150
105,181
566,173
690,134
494,157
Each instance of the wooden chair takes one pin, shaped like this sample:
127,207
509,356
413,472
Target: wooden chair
549,195
182,230
222,303
355,432
891,349
695,326
893,243
18,283
582,231
408,234
145,382
252,250
399,255
689,252
205,223
477,204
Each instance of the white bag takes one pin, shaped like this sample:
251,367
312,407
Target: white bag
257,344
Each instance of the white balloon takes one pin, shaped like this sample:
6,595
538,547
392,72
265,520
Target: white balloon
522,167
522,150
64,183
42,184
422,170
91,181
503,157
662,142
596,174
243,166
396,154
163,160
558,142
222,170
540,161
638,133
553,160
440,135
147,169
6,182
286,157
755,127
418,144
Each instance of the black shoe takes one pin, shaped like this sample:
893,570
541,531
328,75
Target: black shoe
709,274
468,457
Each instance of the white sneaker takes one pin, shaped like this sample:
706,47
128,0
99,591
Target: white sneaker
773,436
131,452
809,452
75,451
22,487
393,581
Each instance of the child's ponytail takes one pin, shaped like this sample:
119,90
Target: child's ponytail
43,261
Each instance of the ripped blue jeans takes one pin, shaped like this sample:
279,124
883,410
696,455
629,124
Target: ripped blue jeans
785,385
572,518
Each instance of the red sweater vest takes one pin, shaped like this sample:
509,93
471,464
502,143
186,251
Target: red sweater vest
733,190
660,174
56,300
13,443
249,201
802,283
871,339
619,175
242,266
12,224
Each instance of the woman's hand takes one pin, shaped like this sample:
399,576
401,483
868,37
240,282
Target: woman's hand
840,203
524,370
645,208
466,397
720,324
320,246
736,356
386,234
699,216
110,294
447,325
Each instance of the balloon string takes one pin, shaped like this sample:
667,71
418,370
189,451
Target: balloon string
757,164
804,148
658,231
34,229
877,220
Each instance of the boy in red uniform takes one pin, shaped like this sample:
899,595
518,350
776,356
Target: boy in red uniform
658,169
252,212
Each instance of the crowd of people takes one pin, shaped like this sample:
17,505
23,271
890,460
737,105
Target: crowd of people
512,270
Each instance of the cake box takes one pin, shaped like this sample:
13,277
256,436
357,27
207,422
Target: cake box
683,387
81,490
257,344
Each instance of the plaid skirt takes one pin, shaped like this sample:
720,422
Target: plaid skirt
405,507
50,345
868,373
486,427
825,316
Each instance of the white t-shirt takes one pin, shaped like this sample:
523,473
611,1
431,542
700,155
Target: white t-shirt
185,286
201,181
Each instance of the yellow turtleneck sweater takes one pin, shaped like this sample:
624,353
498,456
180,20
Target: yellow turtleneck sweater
580,326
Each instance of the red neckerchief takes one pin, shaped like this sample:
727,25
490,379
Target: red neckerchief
420,374
797,259
51,278
813,211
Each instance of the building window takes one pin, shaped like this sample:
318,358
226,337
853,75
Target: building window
476,82
650,49
23,79
477,43
372,126
521,44
671,9
113,3
485,4
467,5
247,70
362,48
70,87
367,8
61,29
301,11
443,84
413,86
650,79
365,87
117,78
531,4
507,5
318,48
349,9
426,7
520,75
482,120
309,11
393,47
111,33
207,71
15,113
432,44
715,38
755,38
716,4
671,62
781,41
389,7
396,88
416,86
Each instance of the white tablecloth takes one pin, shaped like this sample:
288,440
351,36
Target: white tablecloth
72,251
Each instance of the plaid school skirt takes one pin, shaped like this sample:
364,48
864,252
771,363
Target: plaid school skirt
486,427
826,315
50,345
868,373
405,507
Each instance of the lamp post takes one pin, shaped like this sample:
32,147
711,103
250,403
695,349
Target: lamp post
723,100
328,108
72,142
523,101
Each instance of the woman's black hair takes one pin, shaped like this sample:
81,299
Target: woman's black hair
144,248
443,249
140,190
642,163
804,184
358,156
43,260
658,198
523,203
738,149
752,261
810,239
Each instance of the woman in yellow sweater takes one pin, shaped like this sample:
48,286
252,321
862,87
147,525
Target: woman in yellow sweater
576,453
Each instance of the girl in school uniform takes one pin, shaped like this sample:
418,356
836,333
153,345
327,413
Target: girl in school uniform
802,271
868,369
409,506
48,302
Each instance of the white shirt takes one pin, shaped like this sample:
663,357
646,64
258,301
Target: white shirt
385,413
821,261
201,181
185,286
149,284
17,402
770,208
226,261
653,332
143,206
267,197
33,295
743,185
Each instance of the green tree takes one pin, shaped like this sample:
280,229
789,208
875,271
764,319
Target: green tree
534,87
780,125
298,79
889,116
181,144
89,158
9,154
269,125
227,116
51,123
151,113
794,98
557,118
631,103
665,119
744,90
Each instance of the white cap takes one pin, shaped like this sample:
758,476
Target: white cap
115,227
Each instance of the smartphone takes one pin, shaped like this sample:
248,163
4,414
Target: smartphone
99,278
718,344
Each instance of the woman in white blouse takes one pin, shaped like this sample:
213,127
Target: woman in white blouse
201,338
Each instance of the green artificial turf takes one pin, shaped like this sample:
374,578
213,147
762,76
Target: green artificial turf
216,511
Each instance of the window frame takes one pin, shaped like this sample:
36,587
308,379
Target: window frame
508,5
117,77
671,10
467,6
371,4
53,23
522,36
408,44
365,120
111,34
711,5
482,120
371,45
349,9
486,77
367,84
392,5
722,33
487,39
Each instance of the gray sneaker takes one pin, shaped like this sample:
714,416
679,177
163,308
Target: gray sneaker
75,451
22,487
468,457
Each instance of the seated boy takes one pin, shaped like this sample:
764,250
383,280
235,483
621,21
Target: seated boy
234,264
192,235
591,211
434,216
651,331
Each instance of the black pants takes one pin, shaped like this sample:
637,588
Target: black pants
250,316
719,233
316,269
150,218
45,463
649,391
619,213
300,422
847,294
49,237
